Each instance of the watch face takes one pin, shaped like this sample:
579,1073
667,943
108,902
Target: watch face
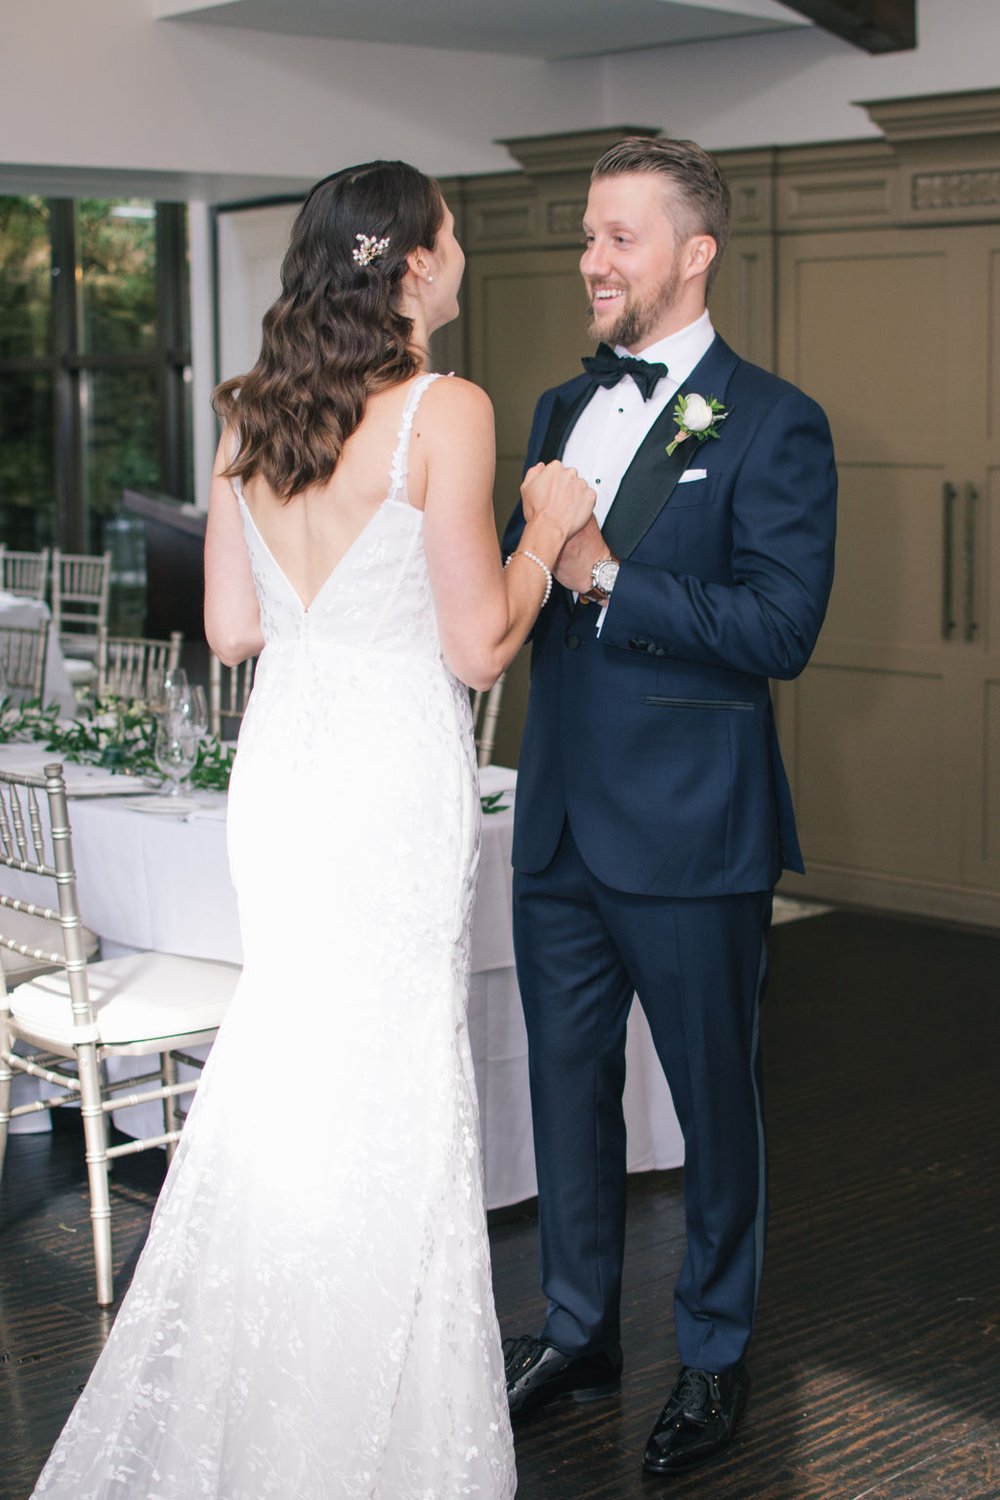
605,574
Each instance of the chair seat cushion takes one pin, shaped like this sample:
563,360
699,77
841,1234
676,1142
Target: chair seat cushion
34,932
79,643
80,672
142,997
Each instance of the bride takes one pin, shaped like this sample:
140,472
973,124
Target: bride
312,1316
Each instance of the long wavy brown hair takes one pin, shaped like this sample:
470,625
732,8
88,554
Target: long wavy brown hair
336,334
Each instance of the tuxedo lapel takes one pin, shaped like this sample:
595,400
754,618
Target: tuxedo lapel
647,485
565,410
651,477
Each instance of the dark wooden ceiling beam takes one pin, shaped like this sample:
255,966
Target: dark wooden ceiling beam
872,25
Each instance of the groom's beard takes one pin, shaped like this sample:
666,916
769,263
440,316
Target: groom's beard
637,320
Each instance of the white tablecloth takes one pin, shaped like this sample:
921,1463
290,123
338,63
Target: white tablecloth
151,881
28,614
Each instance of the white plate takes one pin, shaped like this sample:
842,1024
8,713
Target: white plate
170,807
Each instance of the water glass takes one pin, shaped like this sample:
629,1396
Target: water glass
175,749
167,690
197,711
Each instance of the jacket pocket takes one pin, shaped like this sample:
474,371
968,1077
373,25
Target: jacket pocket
687,495
654,701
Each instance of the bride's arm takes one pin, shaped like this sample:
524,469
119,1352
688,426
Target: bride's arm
484,611
232,613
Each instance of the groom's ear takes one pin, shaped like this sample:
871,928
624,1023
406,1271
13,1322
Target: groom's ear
699,253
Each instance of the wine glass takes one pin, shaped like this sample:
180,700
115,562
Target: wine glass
167,689
175,749
196,709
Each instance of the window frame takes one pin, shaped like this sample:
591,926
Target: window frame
66,364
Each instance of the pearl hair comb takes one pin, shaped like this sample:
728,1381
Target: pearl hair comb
369,248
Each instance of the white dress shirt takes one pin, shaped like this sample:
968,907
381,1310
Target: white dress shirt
615,421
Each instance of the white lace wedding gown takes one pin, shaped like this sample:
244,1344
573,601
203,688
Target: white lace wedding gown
312,1317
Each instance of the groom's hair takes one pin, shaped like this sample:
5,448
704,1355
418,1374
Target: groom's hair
698,195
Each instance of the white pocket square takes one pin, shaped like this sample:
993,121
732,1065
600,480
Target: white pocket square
690,474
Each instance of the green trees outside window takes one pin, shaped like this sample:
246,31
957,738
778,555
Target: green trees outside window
94,376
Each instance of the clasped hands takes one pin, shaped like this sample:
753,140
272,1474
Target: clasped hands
559,491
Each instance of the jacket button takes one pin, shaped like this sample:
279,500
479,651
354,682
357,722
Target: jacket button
573,641
637,645
651,648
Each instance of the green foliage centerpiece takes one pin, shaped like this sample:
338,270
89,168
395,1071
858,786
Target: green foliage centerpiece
116,733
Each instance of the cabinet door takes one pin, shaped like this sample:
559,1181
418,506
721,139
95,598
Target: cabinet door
876,326
526,328
977,522
526,321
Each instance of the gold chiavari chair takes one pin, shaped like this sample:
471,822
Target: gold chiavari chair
228,693
24,573
23,654
124,662
81,586
77,1014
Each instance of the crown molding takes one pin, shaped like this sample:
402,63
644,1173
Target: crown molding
974,115
936,161
574,151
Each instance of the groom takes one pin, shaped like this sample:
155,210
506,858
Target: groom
653,815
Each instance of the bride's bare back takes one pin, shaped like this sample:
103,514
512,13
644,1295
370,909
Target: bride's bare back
310,535
483,613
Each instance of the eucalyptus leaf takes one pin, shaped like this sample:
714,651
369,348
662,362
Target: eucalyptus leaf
490,802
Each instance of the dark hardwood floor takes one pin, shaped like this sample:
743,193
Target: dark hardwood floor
876,1365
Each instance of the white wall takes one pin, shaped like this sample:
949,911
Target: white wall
102,84
101,94
793,88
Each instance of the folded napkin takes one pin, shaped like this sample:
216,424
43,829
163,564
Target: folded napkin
81,781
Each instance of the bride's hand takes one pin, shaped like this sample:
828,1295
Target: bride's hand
559,494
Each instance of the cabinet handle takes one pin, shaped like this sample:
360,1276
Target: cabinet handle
949,495
969,560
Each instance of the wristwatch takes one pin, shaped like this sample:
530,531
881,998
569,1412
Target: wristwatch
602,580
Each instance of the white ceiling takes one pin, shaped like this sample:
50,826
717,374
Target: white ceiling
553,29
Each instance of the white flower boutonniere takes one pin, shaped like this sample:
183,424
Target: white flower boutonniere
696,416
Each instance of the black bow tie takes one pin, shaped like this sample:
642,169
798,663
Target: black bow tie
607,368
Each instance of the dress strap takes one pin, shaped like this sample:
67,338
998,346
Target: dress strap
401,457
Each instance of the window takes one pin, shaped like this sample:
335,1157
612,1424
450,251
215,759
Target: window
95,390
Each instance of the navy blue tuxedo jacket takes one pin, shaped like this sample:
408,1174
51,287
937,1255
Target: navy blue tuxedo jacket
657,738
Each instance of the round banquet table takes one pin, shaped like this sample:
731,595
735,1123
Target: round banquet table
162,882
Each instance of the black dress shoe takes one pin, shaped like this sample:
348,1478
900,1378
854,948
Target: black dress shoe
698,1420
538,1373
